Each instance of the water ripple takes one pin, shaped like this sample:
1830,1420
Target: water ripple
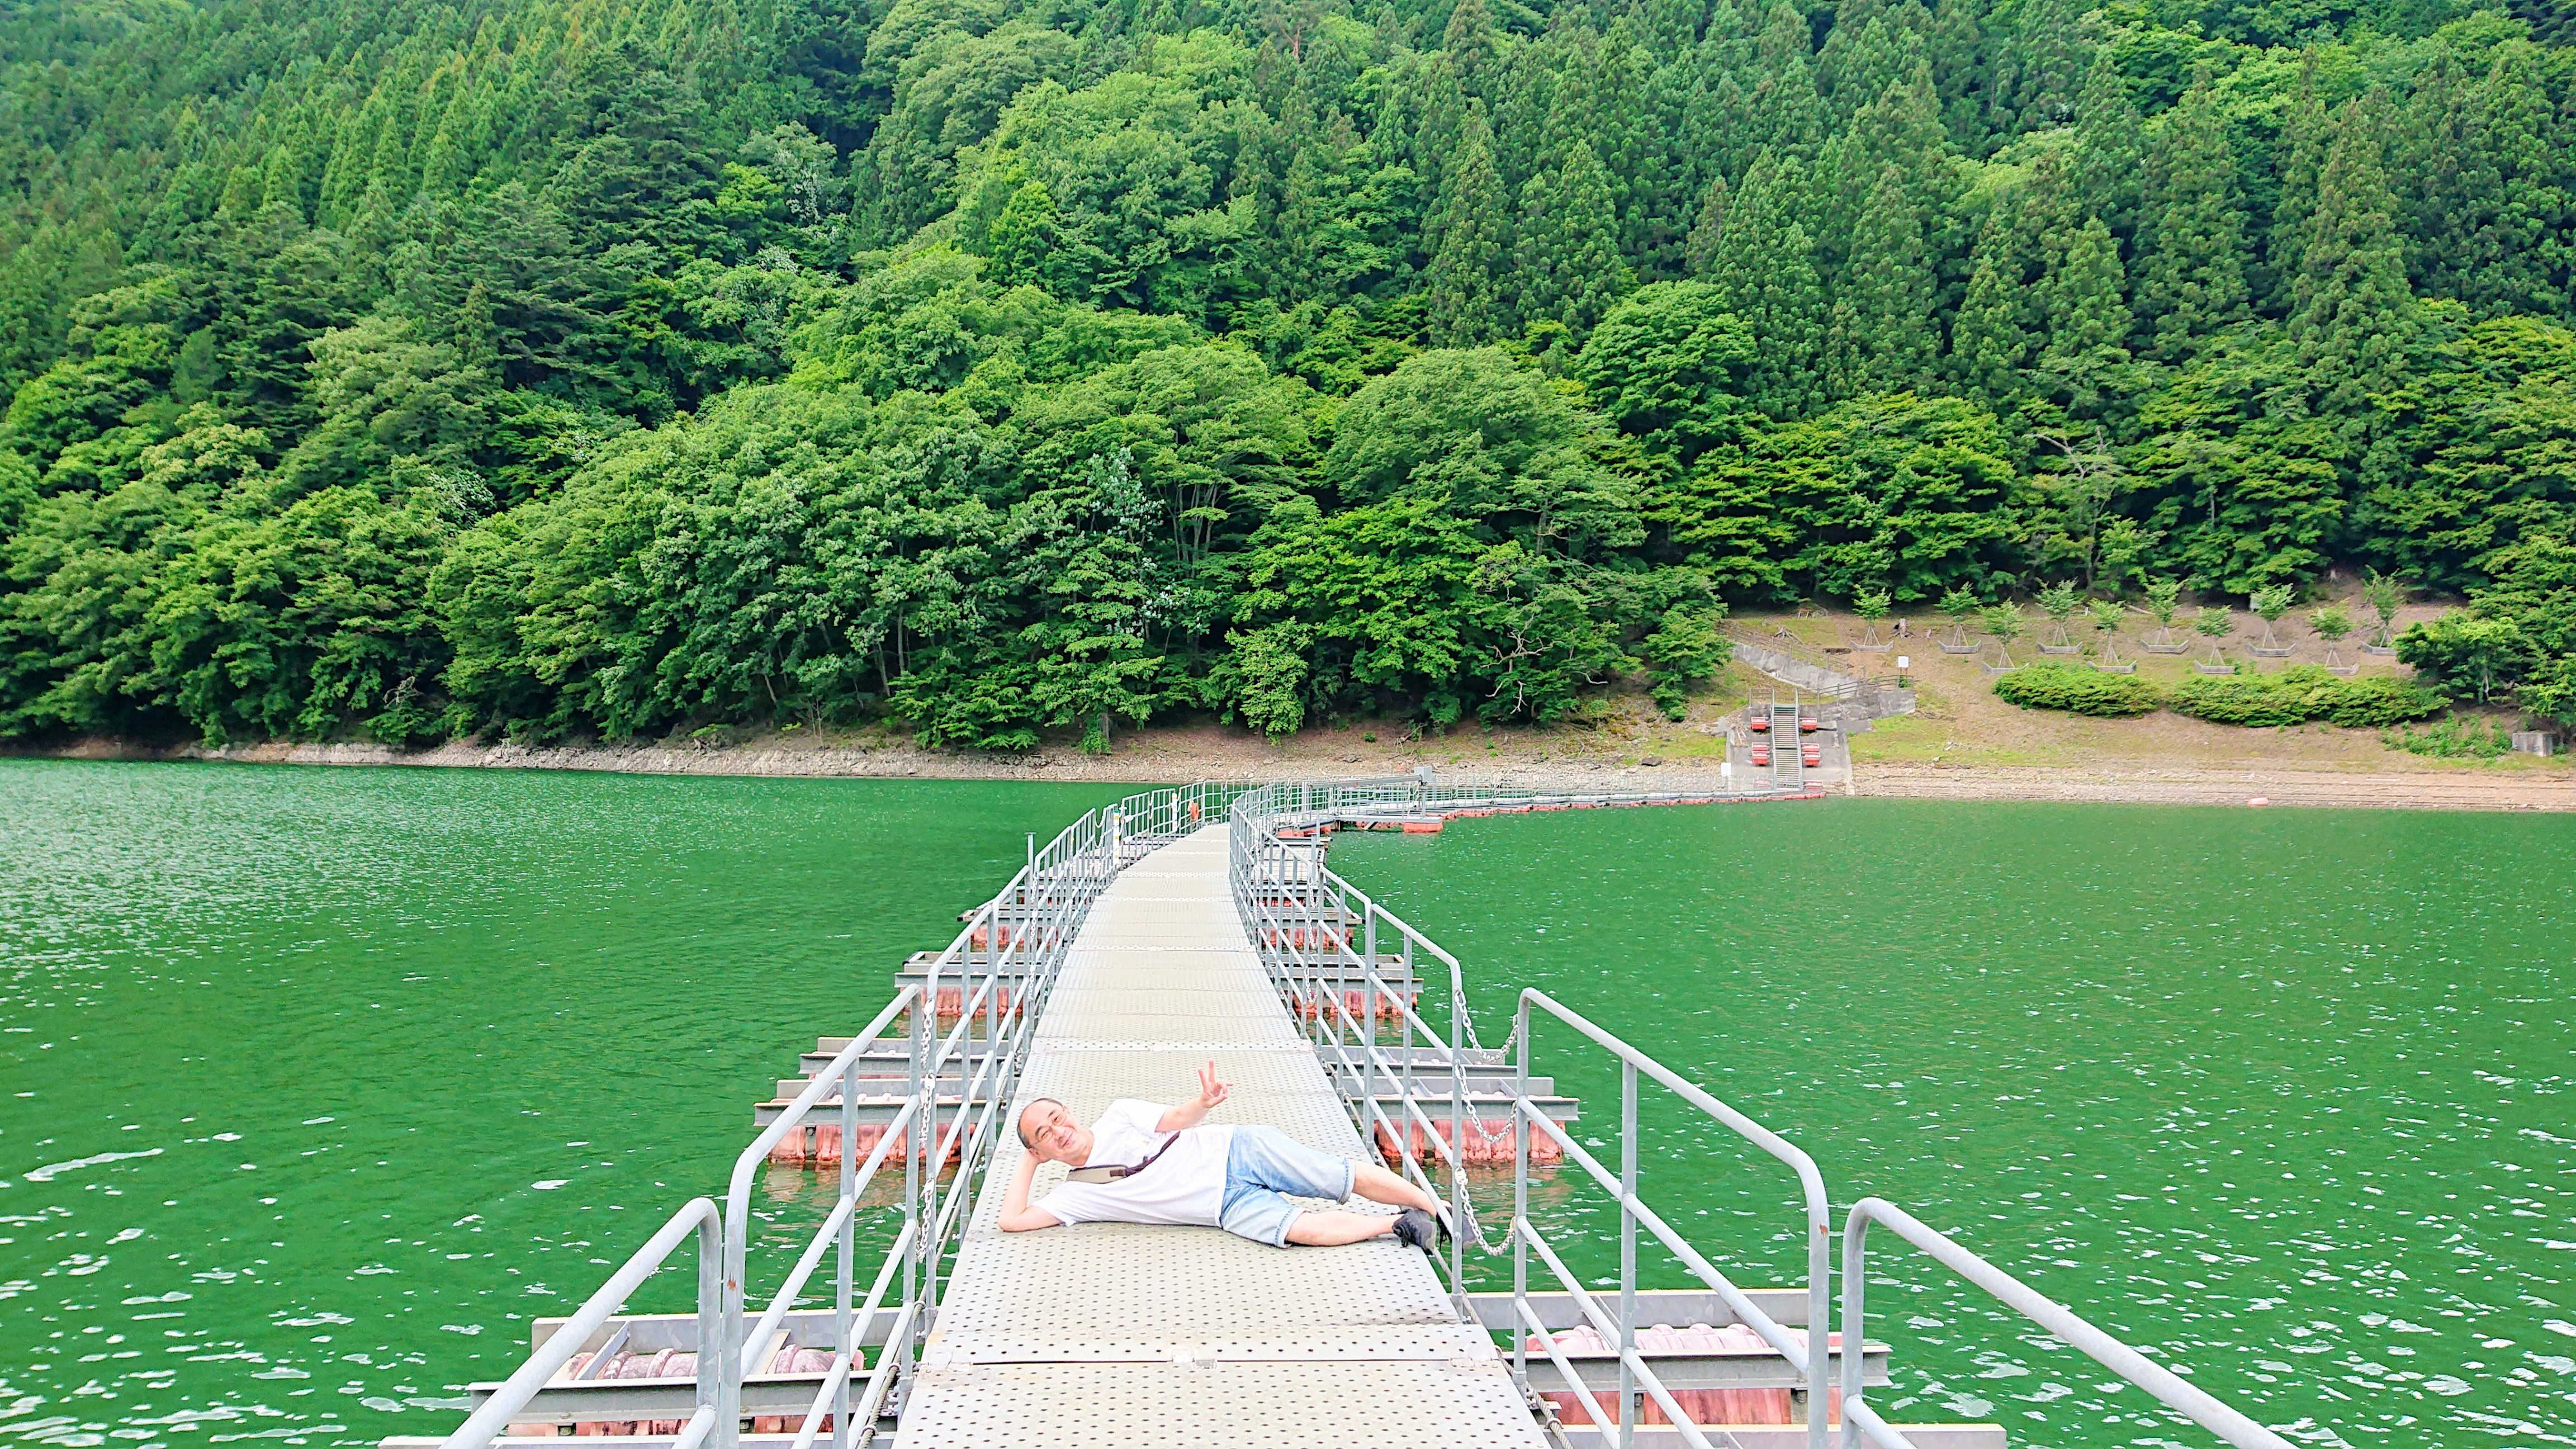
2276,1094
319,1085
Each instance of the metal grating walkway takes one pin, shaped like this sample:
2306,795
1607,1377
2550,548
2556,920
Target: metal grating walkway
1150,1336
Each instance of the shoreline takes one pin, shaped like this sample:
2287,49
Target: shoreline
1159,759
2150,783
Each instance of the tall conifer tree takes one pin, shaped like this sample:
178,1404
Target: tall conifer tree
1587,274
1956,49
1469,44
2106,146
1470,241
1765,273
1885,332
2191,241
2088,320
1709,228
2037,77
2483,154
1786,113
1988,343
2299,154
2350,308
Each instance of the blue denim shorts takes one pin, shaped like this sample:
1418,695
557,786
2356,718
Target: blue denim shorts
1263,1168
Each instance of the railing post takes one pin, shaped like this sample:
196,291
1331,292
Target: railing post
1368,975
845,1336
1520,1199
726,1362
719,1381
1855,1325
1627,1251
916,1148
1458,1207
1820,1262
1327,983
1404,1064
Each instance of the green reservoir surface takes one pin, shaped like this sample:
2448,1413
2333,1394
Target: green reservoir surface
2281,1094
317,1085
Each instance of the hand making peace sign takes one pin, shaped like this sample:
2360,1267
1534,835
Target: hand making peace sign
1211,1091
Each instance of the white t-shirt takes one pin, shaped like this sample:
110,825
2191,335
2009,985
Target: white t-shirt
1185,1186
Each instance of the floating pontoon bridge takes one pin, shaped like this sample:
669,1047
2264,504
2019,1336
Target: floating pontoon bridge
1150,936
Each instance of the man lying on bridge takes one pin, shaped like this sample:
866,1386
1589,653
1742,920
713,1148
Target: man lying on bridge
1146,1163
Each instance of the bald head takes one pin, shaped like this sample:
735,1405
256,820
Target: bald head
1031,1111
1049,1131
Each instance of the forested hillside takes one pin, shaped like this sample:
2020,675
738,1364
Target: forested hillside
1004,366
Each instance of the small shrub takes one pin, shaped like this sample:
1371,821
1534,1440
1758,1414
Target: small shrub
2295,696
2453,739
2381,700
2077,691
405,725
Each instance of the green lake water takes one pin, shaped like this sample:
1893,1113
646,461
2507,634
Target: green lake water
315,1086
2279,1095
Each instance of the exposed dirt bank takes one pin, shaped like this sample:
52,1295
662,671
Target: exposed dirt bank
1168,756
2147,783
1146,757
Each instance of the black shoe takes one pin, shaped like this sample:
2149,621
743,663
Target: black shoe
1417,1230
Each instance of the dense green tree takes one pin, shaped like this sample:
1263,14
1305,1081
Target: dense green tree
1014,373
2107,150
2191,244
2247,484
1671,366
2037,75
2299,156
1493,441
1567,266
2088,320
1988,343
2491,456
1906,493
1709,228
1765,273
2485,152
2351,312
1470,242
1884,332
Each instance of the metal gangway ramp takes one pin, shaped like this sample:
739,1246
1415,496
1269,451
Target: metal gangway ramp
1163,1335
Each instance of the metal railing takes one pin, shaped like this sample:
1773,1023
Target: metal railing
1308,920
1003,961
1860,1420
1318,936
1809,1358
1790,648
698,1217
1321,939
